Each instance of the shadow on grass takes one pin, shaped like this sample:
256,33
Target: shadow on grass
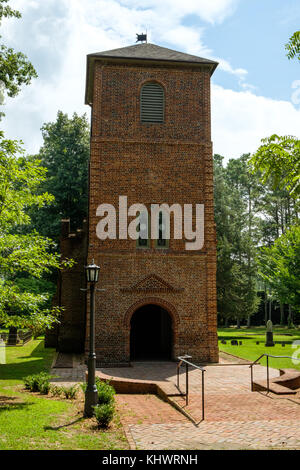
57,428
8,404
249,340
41,361
238,337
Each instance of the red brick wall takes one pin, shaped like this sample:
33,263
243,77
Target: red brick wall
69,334
153,163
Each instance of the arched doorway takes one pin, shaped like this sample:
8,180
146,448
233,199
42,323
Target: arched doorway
151,334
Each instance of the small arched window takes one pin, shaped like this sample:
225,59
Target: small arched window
143,240
152,103
162,240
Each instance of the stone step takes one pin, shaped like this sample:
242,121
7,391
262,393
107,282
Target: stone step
276,388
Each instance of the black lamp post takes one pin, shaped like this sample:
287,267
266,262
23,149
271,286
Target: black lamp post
91,395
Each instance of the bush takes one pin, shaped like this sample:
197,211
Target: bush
70,392
104,414
106,392
83,386
56,391
30,383
44,387
38,382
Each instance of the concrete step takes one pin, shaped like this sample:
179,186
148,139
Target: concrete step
261,385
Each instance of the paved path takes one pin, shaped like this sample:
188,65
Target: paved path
235,417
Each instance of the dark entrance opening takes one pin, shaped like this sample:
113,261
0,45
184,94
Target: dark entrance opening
151,333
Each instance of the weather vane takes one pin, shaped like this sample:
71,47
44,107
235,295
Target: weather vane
141,37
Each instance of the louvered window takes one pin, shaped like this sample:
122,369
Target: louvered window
152,103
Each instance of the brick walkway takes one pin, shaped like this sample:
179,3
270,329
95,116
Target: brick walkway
235,417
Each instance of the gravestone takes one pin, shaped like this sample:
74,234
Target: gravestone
269,334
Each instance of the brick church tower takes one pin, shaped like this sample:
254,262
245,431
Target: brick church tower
151,142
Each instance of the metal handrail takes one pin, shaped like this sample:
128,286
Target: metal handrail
184,359
268,376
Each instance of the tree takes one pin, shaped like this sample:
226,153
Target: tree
22,254
15,69
278,160
65,154
293,46
236,280
280,267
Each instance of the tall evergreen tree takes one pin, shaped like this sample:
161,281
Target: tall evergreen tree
236,280
65,155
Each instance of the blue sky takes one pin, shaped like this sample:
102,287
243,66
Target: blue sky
255,90
253,38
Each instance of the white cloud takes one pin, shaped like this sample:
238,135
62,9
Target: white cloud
211,11
226,67
241,119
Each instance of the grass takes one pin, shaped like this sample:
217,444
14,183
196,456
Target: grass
29,421
251,351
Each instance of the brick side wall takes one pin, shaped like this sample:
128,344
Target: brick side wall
153,163
69,334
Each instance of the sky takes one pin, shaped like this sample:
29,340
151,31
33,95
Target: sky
255,89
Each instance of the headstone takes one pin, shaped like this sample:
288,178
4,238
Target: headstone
269,334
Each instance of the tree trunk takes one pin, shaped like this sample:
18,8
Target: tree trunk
249,321
281,314
290,317
238,323
226,322
266,306
270,310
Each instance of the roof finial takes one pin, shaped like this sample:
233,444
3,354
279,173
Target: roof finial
141,37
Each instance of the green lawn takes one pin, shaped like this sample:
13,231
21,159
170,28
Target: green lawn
251,351
31,421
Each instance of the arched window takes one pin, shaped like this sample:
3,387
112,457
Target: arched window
143,240
152,103
162,240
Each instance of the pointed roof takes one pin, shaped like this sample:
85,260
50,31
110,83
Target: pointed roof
154,52
142,52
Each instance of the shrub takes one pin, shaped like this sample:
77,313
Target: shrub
83,386
106,392
55,390
104,414
70,392
44,387
38,382
29,382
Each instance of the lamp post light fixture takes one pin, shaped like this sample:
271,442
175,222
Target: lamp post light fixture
91,394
